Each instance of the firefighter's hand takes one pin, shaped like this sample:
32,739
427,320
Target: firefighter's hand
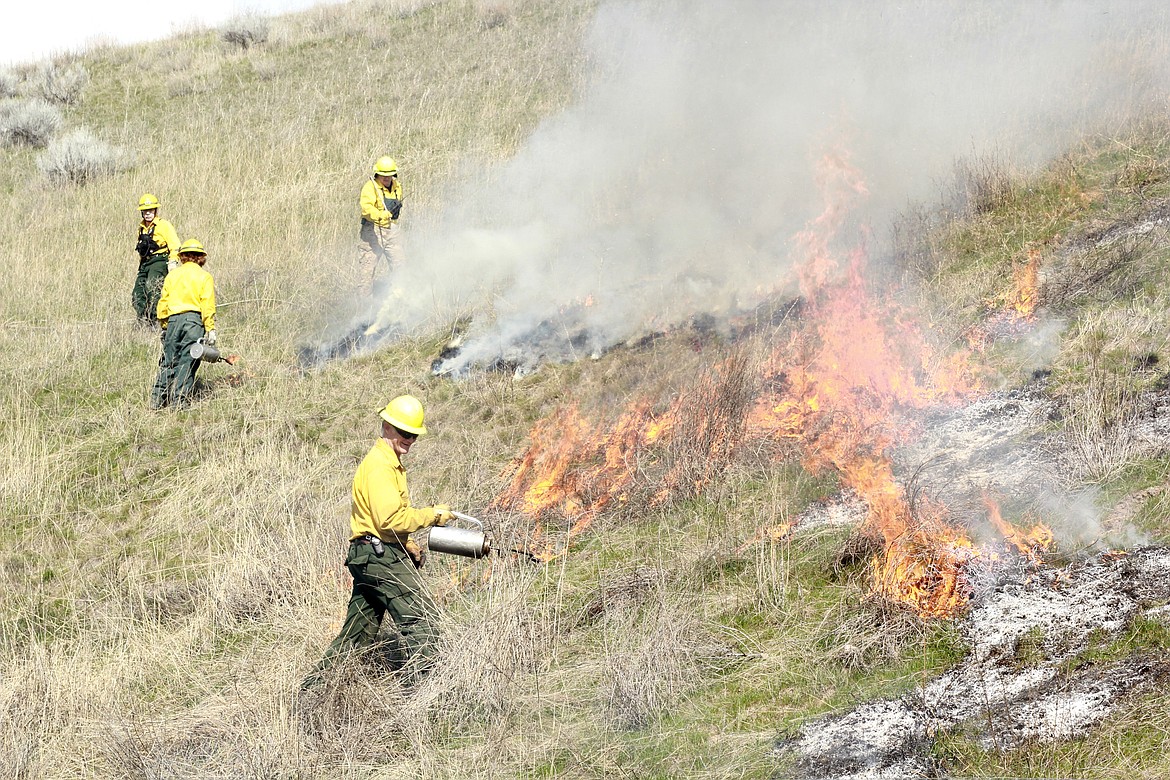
443,514
172,265
418,556
210,341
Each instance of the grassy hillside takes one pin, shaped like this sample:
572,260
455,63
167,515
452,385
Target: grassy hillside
167,579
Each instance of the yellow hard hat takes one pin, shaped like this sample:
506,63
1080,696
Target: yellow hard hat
148,201
405,413
192,246
386,166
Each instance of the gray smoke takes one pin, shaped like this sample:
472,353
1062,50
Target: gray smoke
674,185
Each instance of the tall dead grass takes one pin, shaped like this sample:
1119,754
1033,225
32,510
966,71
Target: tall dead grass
167,579
1101,372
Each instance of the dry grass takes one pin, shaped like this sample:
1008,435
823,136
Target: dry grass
167,579
982,184
1101,373
10,82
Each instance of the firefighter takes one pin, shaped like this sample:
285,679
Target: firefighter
186,309
382,558
380,249
157,248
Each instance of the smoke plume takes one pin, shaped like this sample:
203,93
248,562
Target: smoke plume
673,187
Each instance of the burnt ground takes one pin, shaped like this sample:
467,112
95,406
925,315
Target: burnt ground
1027,628
1050,648
1036,671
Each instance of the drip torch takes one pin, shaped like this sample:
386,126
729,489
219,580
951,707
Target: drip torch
460,541
209,354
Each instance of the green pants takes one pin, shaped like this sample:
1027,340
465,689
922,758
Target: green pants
148,286
389,583
176,367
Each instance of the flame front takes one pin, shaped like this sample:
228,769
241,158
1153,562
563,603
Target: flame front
842,387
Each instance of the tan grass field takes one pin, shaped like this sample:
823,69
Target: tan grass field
167,579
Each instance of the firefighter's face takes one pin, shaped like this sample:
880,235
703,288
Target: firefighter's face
148,215
401,441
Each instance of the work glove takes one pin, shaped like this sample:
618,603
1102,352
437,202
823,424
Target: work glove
443,514
417,555
210,340
172,265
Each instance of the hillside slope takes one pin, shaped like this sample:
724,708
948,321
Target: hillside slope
700,611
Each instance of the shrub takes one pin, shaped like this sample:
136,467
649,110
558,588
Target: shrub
79,157
62,85
9,83
245,31
28,122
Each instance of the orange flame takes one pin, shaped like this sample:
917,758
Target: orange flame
840,388
575,468
1026,294
1030,544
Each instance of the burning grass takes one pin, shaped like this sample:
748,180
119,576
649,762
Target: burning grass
168,578
835,387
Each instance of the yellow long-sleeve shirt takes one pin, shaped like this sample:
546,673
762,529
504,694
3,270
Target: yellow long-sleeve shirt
381,500
373,202
164,236
188,288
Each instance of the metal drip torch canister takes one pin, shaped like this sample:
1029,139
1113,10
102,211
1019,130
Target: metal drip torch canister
204,352
460,541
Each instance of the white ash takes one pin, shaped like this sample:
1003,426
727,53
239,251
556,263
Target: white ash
845,509
1060,609
1008,689
949,698
991,444
1064,714
1120,230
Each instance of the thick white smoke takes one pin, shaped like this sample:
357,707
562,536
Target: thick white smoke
674,185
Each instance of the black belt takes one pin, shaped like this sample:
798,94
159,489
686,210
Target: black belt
379,547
